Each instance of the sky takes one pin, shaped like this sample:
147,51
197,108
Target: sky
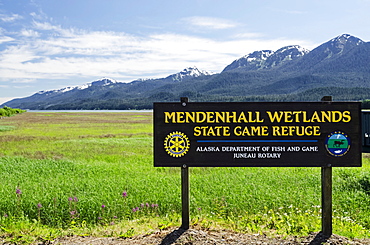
52,44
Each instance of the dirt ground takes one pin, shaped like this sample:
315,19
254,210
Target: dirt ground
200,237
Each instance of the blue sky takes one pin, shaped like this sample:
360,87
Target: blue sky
51,44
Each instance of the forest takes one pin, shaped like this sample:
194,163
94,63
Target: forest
338,94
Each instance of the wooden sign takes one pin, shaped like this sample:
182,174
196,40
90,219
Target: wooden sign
257,134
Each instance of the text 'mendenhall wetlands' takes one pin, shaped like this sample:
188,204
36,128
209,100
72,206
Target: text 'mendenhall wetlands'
290,134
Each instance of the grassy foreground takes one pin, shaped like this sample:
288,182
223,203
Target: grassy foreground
92,173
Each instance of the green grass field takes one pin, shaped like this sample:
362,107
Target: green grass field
92,173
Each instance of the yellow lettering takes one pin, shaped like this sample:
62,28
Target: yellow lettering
275,116
265,131
296,114
197,131
189,117
336,116
296,130
305,117
210,118
211,131
315,117
288,116
308,131
325,116
291,130
242,118
169,116
232,117
300,131
250,117
258,118
246,132
220,116
259,131
316,131
201,117
251,131
226,131
180,117
237,130
346,116
275,131
255,117
284,131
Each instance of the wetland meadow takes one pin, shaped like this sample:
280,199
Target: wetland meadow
91,173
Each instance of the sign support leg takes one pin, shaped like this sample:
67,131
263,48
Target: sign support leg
326,201
185,197
185,185
326,194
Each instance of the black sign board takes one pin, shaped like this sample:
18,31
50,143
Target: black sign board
257,134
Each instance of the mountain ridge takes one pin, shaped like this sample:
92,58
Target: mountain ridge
267,58
342,62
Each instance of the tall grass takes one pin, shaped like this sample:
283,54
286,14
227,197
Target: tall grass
86,169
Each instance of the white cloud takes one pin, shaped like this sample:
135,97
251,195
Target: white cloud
25,80
93,43
38,16
29,33
248,35
22,87
4,39
16,55
51,52
10,18
46,26
210,22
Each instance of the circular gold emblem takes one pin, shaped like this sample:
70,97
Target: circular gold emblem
176,144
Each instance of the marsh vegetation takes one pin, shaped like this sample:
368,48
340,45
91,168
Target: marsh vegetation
92,174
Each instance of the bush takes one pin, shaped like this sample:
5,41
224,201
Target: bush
7,111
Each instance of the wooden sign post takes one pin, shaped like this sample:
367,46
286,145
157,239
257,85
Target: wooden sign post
185,197
326,201
326,195
185,203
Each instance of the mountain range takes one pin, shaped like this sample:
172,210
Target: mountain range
339,67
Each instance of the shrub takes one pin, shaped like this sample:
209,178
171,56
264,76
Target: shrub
7,111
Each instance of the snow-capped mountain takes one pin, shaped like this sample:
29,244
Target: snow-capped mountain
252,61
341,43
334,47
100,82
305,59
187,73
102,89
267,58
328,52
284,54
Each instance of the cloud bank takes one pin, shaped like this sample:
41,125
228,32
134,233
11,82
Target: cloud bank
40,50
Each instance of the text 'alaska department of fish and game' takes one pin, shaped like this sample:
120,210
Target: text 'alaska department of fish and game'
257,151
